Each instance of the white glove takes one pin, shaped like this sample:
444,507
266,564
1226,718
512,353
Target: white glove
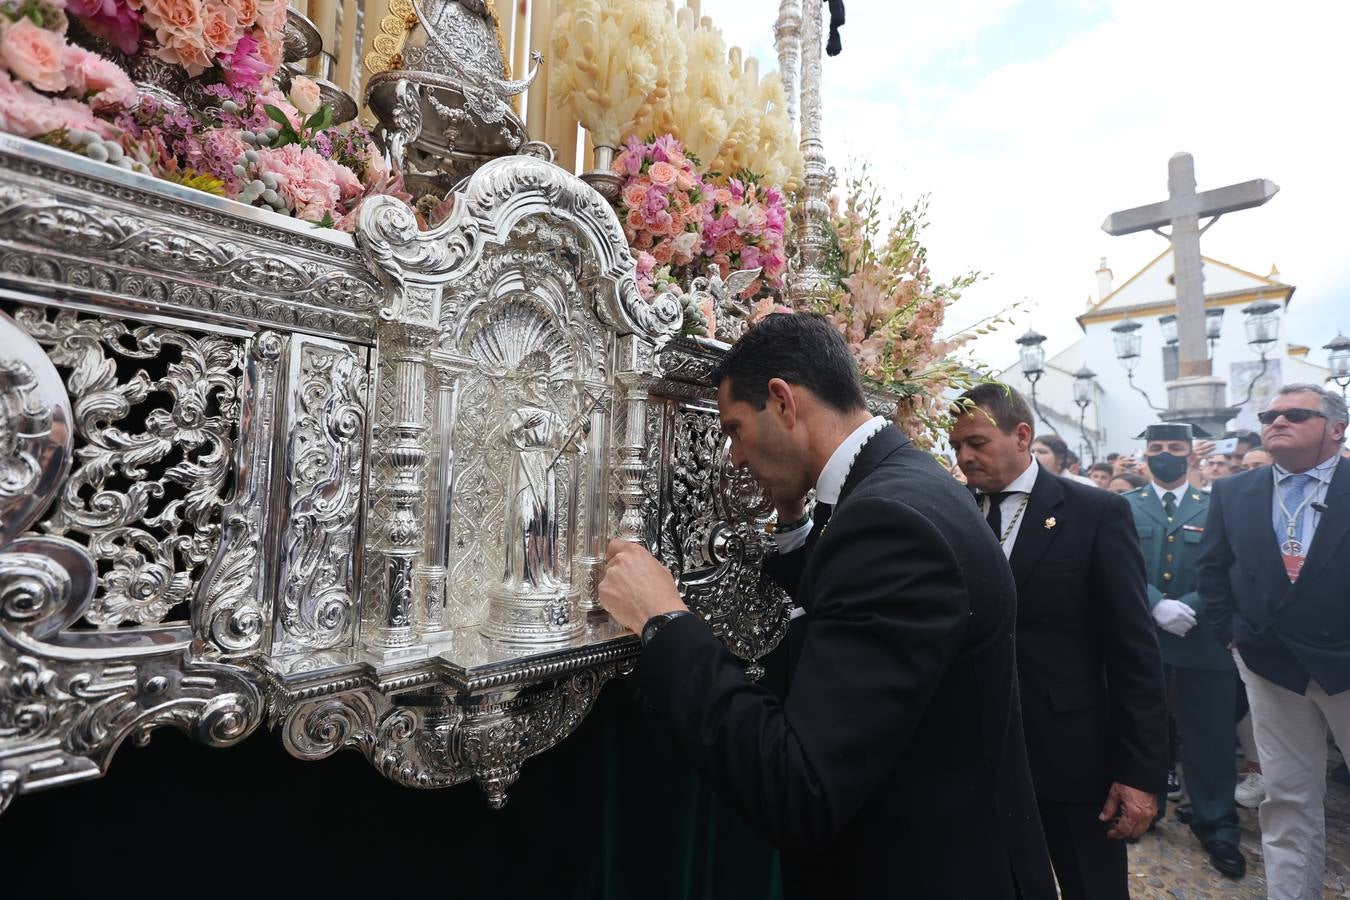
1174,617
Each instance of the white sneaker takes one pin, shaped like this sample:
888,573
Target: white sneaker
1251,790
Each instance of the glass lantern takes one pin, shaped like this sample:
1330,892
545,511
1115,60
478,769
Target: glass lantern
1168,324
1032,354
1127,341
1263,325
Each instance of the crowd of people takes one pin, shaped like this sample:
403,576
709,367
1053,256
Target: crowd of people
994,685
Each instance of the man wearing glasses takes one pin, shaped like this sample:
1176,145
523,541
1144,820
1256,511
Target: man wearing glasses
1274,565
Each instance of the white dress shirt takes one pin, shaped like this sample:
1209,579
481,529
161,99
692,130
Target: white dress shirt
1323,473
1016,491
832,478
1176,492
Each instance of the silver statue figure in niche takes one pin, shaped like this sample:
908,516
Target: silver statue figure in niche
535,435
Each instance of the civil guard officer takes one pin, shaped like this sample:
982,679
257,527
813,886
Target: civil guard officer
1169,515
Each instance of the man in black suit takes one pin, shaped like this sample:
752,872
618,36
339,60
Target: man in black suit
1093,699
895,766
1274,572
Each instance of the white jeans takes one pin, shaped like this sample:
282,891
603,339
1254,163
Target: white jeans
1291,740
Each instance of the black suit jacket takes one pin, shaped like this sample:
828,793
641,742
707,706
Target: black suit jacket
1093,699
895,765
1287,632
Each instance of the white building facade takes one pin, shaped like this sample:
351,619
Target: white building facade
1118,411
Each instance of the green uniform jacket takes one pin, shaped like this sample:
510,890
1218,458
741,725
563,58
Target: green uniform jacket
1170,553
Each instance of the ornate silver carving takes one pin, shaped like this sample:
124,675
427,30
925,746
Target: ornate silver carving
732,314
231,608
148,484
812,239
101,234
787,42
332,517
325,461
35,430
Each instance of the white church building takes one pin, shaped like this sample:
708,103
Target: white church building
1119,411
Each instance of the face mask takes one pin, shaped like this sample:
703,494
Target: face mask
1167,467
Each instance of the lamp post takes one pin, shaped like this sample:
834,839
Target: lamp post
1084,388
1338,360
1213,327
1263,331
1033,367
1127,341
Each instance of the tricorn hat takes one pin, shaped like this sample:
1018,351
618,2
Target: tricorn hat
1171,431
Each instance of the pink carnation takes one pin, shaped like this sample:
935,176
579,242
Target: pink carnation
88,73
305,179
26,113
349,186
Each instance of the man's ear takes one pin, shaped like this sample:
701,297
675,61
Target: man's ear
1024,437
782,402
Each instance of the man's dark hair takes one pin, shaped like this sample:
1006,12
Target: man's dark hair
1101,467
1131,478
1057,447
803,349
1007,407
1112,456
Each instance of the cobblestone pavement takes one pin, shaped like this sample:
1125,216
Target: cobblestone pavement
1168,863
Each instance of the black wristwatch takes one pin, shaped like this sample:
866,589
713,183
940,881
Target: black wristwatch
657,622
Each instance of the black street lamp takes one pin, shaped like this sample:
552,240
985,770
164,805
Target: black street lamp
1033,367
1127,341
1338,360
1084,389
1263,331
1213,327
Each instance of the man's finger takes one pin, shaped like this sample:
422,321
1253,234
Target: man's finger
617,546
1109,808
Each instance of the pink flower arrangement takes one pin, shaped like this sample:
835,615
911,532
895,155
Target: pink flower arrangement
235,41
663,204
885,303
48,85
744,230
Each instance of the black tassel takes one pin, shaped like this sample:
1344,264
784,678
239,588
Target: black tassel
833,46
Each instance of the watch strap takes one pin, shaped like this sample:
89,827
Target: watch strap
659,621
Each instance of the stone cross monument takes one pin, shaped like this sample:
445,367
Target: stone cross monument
1196,396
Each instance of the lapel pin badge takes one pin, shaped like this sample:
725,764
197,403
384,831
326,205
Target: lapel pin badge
1050,523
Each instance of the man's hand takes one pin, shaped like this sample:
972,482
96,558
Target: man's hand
1131,809
1174,617
636,586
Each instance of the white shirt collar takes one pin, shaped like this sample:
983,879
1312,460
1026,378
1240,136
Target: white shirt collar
1176,492
1023,483
832,477
1322,471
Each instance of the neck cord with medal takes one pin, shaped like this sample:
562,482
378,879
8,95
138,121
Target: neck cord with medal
1292,545
851,463
1017,517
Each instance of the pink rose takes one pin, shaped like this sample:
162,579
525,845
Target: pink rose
245,11
633,195
272,17
88,73
305,179
220,29
269,48
377,169
662,173
305,95
277,99
33,54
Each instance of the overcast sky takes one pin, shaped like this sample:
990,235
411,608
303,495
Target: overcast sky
1028,121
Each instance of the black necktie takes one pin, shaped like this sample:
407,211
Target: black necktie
1169,504
995,516
819,517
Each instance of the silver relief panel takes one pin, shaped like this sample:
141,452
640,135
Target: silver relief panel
324,461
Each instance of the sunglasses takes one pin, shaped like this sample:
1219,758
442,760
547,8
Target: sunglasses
1294,416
